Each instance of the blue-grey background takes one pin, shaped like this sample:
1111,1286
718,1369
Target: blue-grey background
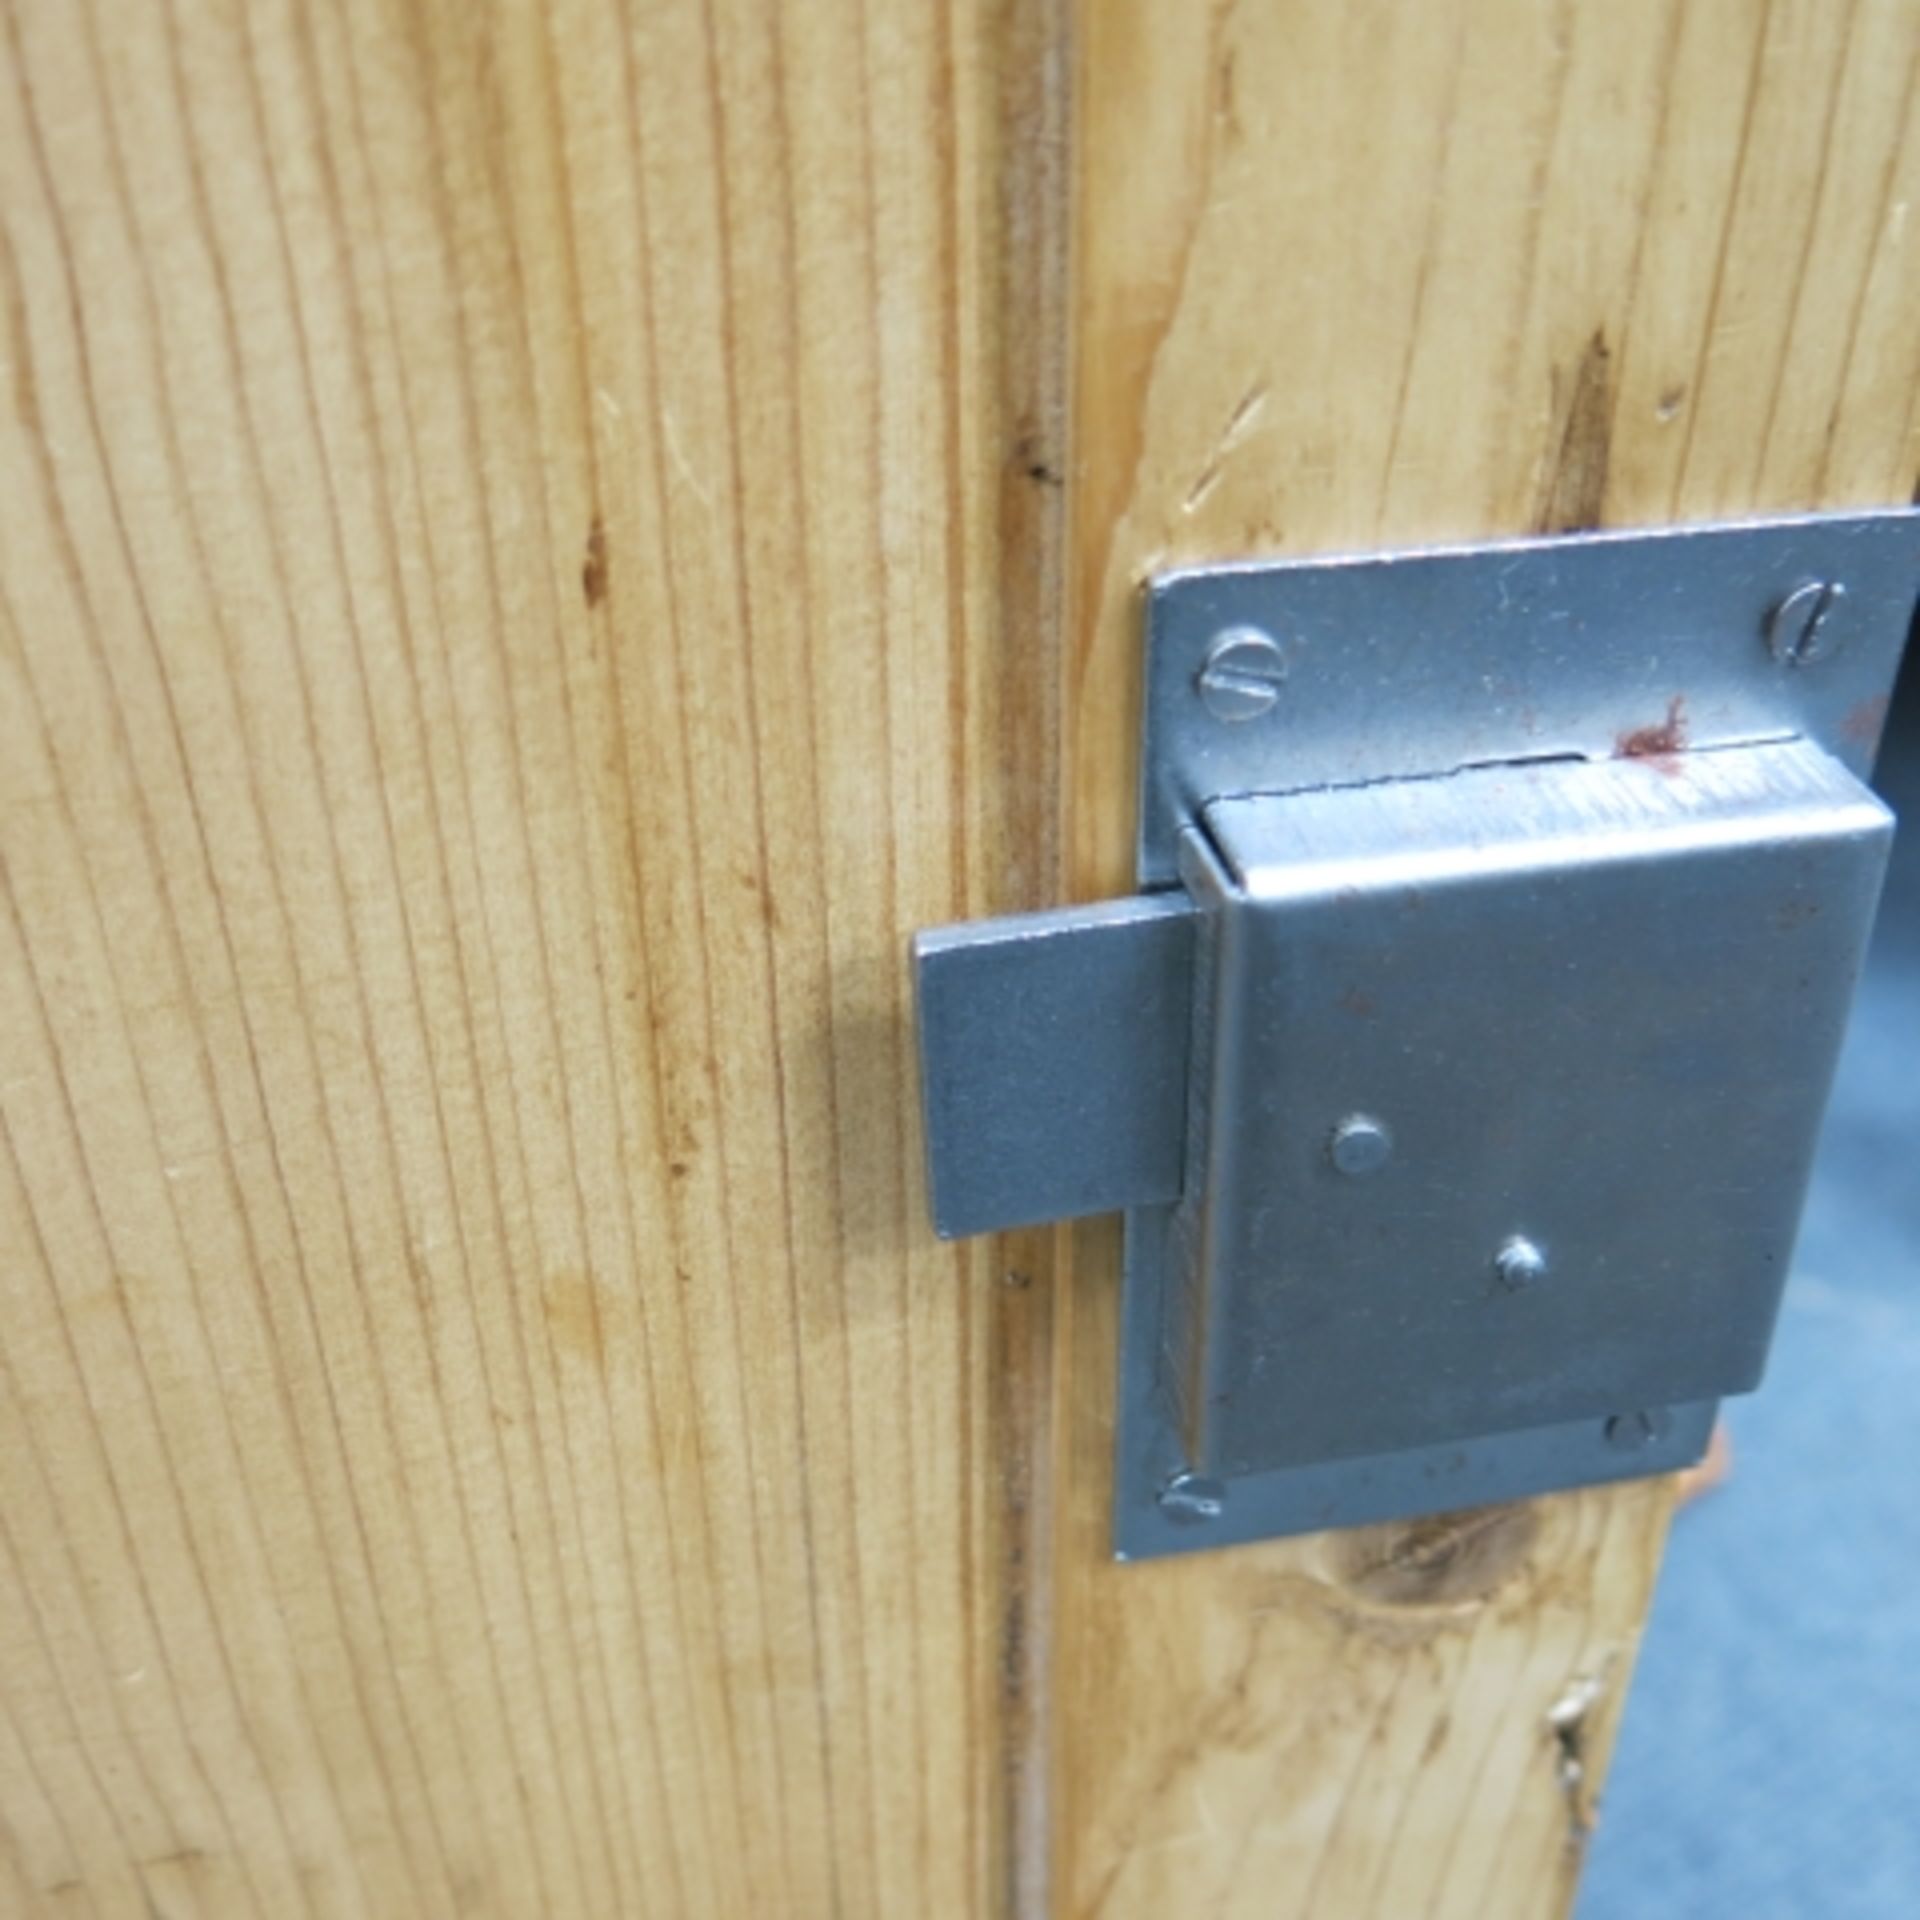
1769,1764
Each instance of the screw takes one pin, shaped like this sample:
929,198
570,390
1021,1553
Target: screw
1242,676
1519,1263
1188,1499
1798,630
1360,1144
1635,1432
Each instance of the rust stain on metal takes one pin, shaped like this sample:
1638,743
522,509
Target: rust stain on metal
1662,743
1865,721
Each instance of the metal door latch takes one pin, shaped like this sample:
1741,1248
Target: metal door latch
1461,1063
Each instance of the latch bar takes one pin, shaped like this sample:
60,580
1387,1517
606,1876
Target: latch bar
1053,1061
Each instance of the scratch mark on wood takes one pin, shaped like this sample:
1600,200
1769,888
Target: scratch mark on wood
1240,423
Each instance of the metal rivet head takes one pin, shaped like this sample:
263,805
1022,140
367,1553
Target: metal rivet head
1360,1144
1242,675
1519,1263
1190,1498
1635,1432
1800,629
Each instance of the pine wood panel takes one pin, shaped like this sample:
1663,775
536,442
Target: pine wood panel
503,633
1353,275
531,559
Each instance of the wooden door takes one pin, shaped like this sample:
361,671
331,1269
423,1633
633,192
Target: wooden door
540,542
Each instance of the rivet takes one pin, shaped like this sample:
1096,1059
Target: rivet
1635,1432
1360,1144
1190,1498
1799,631
1242,675
1519,1263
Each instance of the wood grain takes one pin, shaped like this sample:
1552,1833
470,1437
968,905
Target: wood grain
1362,275
534,551
528,566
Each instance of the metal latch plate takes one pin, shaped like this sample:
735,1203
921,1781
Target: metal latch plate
1461,1066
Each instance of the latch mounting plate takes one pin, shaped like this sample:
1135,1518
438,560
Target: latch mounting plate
1394,665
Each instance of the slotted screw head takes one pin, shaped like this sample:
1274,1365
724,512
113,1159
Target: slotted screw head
1190,1498
1800,630
1242,675
1635,1432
